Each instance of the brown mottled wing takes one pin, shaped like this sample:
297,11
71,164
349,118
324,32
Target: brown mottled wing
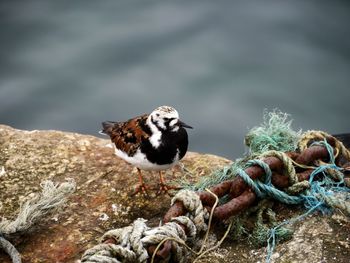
128,135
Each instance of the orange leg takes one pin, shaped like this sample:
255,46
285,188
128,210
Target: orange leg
161,178
163,187
141,187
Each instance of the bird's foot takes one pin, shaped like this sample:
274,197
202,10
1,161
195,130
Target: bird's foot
164,188
141,188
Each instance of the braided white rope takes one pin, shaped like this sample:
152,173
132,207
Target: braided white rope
129,247
52,196
31,212
131,241
193,205
107,253
10,250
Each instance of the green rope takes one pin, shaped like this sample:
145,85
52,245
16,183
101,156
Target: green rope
272,139
226,173
274,133
316,198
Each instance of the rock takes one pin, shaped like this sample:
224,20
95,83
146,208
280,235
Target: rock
102,201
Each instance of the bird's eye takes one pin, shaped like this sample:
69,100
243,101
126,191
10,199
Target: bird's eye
157,114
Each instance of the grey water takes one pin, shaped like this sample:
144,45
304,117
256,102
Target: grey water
68,65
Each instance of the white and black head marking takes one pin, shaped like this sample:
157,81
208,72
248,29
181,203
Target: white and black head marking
165,118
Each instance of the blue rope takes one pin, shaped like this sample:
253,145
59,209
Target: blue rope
268,172
263,190
328,147
271,241
311,202
313,199
315,196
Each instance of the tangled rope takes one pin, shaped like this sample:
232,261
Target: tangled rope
32,211
193,204
288,167
319,194
127,237
129,243
286,177
264,190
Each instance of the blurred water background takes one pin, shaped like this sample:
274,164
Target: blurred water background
68,65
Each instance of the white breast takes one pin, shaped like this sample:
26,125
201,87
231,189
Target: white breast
140,161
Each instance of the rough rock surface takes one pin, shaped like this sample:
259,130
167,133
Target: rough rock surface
102,201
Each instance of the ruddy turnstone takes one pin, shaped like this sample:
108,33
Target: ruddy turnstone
153,142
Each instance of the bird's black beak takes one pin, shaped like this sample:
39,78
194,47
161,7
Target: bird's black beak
182,124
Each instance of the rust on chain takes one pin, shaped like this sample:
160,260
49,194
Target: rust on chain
305,175
165,250
293,155
280,181
177,209
220,190
254,172
235,205
163,253
110,241
242,196
235,187
309,155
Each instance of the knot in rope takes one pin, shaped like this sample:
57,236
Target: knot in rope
288,167
172,230
129,247
130,242
191,201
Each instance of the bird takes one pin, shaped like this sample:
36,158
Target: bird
151,142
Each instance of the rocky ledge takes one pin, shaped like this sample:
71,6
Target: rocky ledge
102,201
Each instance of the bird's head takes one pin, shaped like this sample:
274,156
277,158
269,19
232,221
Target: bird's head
167,118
